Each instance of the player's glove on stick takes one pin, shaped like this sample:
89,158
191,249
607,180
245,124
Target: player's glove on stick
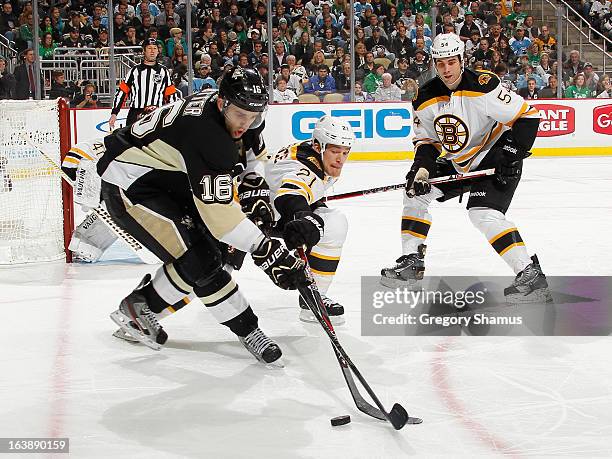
510,161
306,229
276,261
254,196
417,181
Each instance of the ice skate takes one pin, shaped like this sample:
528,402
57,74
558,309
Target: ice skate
120,334
263,348
529,286
335,311
136,319
407,272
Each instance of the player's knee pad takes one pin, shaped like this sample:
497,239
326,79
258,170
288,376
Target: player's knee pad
485,218
336,226
201,263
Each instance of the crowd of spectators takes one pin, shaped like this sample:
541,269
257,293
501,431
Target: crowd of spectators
312,51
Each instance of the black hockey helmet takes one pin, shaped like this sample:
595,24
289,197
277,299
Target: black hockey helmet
245,89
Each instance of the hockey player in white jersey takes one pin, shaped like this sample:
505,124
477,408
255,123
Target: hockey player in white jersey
299,176
464,121
92,236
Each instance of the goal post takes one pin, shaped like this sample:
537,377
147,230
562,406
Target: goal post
36,213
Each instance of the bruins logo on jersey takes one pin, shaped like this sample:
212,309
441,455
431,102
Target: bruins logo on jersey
484,79
452,132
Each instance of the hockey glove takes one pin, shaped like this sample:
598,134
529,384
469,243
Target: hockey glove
510,160
417,181
306,229
276,261
254,196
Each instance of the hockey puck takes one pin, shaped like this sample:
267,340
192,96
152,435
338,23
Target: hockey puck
340,420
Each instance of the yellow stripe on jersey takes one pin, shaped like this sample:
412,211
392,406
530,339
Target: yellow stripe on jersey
82,153
474,150
468,93
69,159
302,185
324,257
523,111
503,233
432,101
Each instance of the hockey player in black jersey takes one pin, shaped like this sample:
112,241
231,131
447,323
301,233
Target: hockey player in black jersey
466,121
168,180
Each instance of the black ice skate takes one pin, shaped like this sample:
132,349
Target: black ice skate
407,272
335,311
529,286
136,319
263,348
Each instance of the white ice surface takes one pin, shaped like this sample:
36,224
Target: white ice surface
204,396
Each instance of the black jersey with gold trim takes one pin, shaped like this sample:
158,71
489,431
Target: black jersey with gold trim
463,124
184,150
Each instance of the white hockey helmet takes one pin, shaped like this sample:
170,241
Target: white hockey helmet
334,131
447,45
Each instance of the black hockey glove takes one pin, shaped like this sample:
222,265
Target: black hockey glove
305,229
276,261
417,181
510,162
254,196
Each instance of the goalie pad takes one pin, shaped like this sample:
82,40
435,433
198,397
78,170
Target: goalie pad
91,238
80,165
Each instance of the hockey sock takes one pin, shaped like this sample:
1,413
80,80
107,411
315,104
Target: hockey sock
323,263
416,221
168,291
243,324
502,235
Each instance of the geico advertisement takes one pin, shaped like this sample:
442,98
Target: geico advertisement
385,130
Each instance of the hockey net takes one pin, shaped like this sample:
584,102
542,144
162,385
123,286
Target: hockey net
35,206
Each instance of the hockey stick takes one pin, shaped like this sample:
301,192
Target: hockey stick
142,253
399,186
398,416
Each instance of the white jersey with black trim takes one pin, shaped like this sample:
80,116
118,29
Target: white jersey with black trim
465,123
297,170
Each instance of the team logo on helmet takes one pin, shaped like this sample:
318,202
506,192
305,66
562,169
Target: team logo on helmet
452,132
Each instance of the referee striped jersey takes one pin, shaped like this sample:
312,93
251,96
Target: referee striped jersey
148,85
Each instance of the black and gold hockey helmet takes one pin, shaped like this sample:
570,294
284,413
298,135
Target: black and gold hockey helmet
245,89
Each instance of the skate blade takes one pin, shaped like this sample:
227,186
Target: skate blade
278,364
308,317
119,334
540,296
123,322
400,283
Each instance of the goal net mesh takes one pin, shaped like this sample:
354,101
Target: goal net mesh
31,210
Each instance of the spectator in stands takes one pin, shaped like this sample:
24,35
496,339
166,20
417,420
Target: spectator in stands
533,54
24,77
145,26
472,45
343,78
8,21
410,89
527,73
297,75
255,55
130,38
280,56
164,31
161,18
86,99
45,26
26,31
322,83
379,45
204,79
176,40
591,78
401,73
520,43
484,52
283,95
366,68
7,81
550,91
495,35
318,59
59,86
47,46
517,14
374,79
544,68
91,31
530,91
303,49
546,41
233,17
506,52
118,27
74,40
73,24
578,90
130,12
599,9
469,26
419,44
495,60
57,22
177,56
402,45
359,95
407,17
419,21
420,65
102,41
146,7
573,65
497,17
243,61
387,91
604,90
506,80
330,44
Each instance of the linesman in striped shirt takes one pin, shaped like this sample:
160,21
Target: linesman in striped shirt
149,85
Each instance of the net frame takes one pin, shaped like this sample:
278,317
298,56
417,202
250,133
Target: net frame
36,210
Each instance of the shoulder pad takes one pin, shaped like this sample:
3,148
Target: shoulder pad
431,90
479,81
310,158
